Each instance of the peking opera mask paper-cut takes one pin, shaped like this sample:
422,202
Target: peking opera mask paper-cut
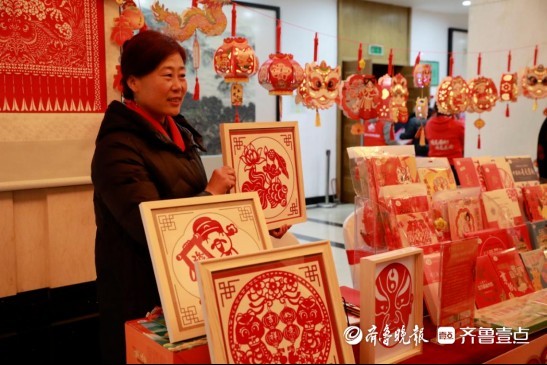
422,75
394,312
182,231
320,87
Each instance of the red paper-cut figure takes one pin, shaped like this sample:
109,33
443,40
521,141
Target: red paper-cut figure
209,240
394,297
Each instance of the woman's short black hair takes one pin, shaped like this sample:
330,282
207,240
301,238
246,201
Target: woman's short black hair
143,53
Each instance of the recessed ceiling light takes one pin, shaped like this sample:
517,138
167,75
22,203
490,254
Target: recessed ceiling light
466,3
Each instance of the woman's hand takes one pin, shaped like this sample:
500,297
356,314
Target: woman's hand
222,180
279,232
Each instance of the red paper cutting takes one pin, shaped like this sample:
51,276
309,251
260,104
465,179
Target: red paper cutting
52,57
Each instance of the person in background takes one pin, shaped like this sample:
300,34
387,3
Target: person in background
446,134
542,150
411,131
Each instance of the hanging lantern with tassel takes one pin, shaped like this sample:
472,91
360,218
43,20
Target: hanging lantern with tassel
534,81
280,74
509,86
483,95
320,87
421,79
359,96
236,61
398,97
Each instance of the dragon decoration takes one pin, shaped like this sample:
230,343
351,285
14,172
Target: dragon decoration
210,20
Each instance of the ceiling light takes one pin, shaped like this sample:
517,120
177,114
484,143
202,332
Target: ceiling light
466,3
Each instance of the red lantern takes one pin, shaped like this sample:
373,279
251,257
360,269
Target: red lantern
508,87
235,59
384,108
483,95
398,96
280,74
452,95
422,75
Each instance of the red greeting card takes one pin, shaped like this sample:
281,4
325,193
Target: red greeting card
394,170
501,208
437,179
415,229
457,283
467,172
488,287
523,171
464,216
535,202
505,171
536,265
432,275
491,176
538,233
512,273
520,237
492,240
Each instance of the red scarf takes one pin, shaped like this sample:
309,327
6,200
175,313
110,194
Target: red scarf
174,133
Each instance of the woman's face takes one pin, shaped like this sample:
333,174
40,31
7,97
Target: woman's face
161,92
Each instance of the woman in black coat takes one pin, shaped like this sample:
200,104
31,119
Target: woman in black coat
145,150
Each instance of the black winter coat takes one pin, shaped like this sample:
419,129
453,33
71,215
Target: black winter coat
134,163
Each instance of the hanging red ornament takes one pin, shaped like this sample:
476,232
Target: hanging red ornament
452,95
235,60
508,86
320,87
383,108
483,95
398,96
479,124
534,83
421,109
359,97
280,74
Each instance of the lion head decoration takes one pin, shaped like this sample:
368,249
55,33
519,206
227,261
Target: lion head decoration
320,87
534,83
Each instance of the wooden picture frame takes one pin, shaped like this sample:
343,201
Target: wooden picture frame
404,268
266,157
181,231
288,298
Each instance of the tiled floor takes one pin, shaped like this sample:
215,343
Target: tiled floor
326,224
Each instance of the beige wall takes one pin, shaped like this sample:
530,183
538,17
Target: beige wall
46,238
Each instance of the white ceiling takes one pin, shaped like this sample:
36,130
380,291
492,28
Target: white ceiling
435,6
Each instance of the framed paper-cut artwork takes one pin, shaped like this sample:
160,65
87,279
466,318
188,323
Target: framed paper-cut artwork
278,307
392,312
182,231
266,158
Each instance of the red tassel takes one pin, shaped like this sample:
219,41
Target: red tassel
507,110
392,132
196,89
236,119
479,142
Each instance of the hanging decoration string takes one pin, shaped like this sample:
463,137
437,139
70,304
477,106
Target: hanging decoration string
417,61
535,56
234,86
360,61
450,64
479,62
390,63
234,19
196,53
508,71
315,45
278,50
